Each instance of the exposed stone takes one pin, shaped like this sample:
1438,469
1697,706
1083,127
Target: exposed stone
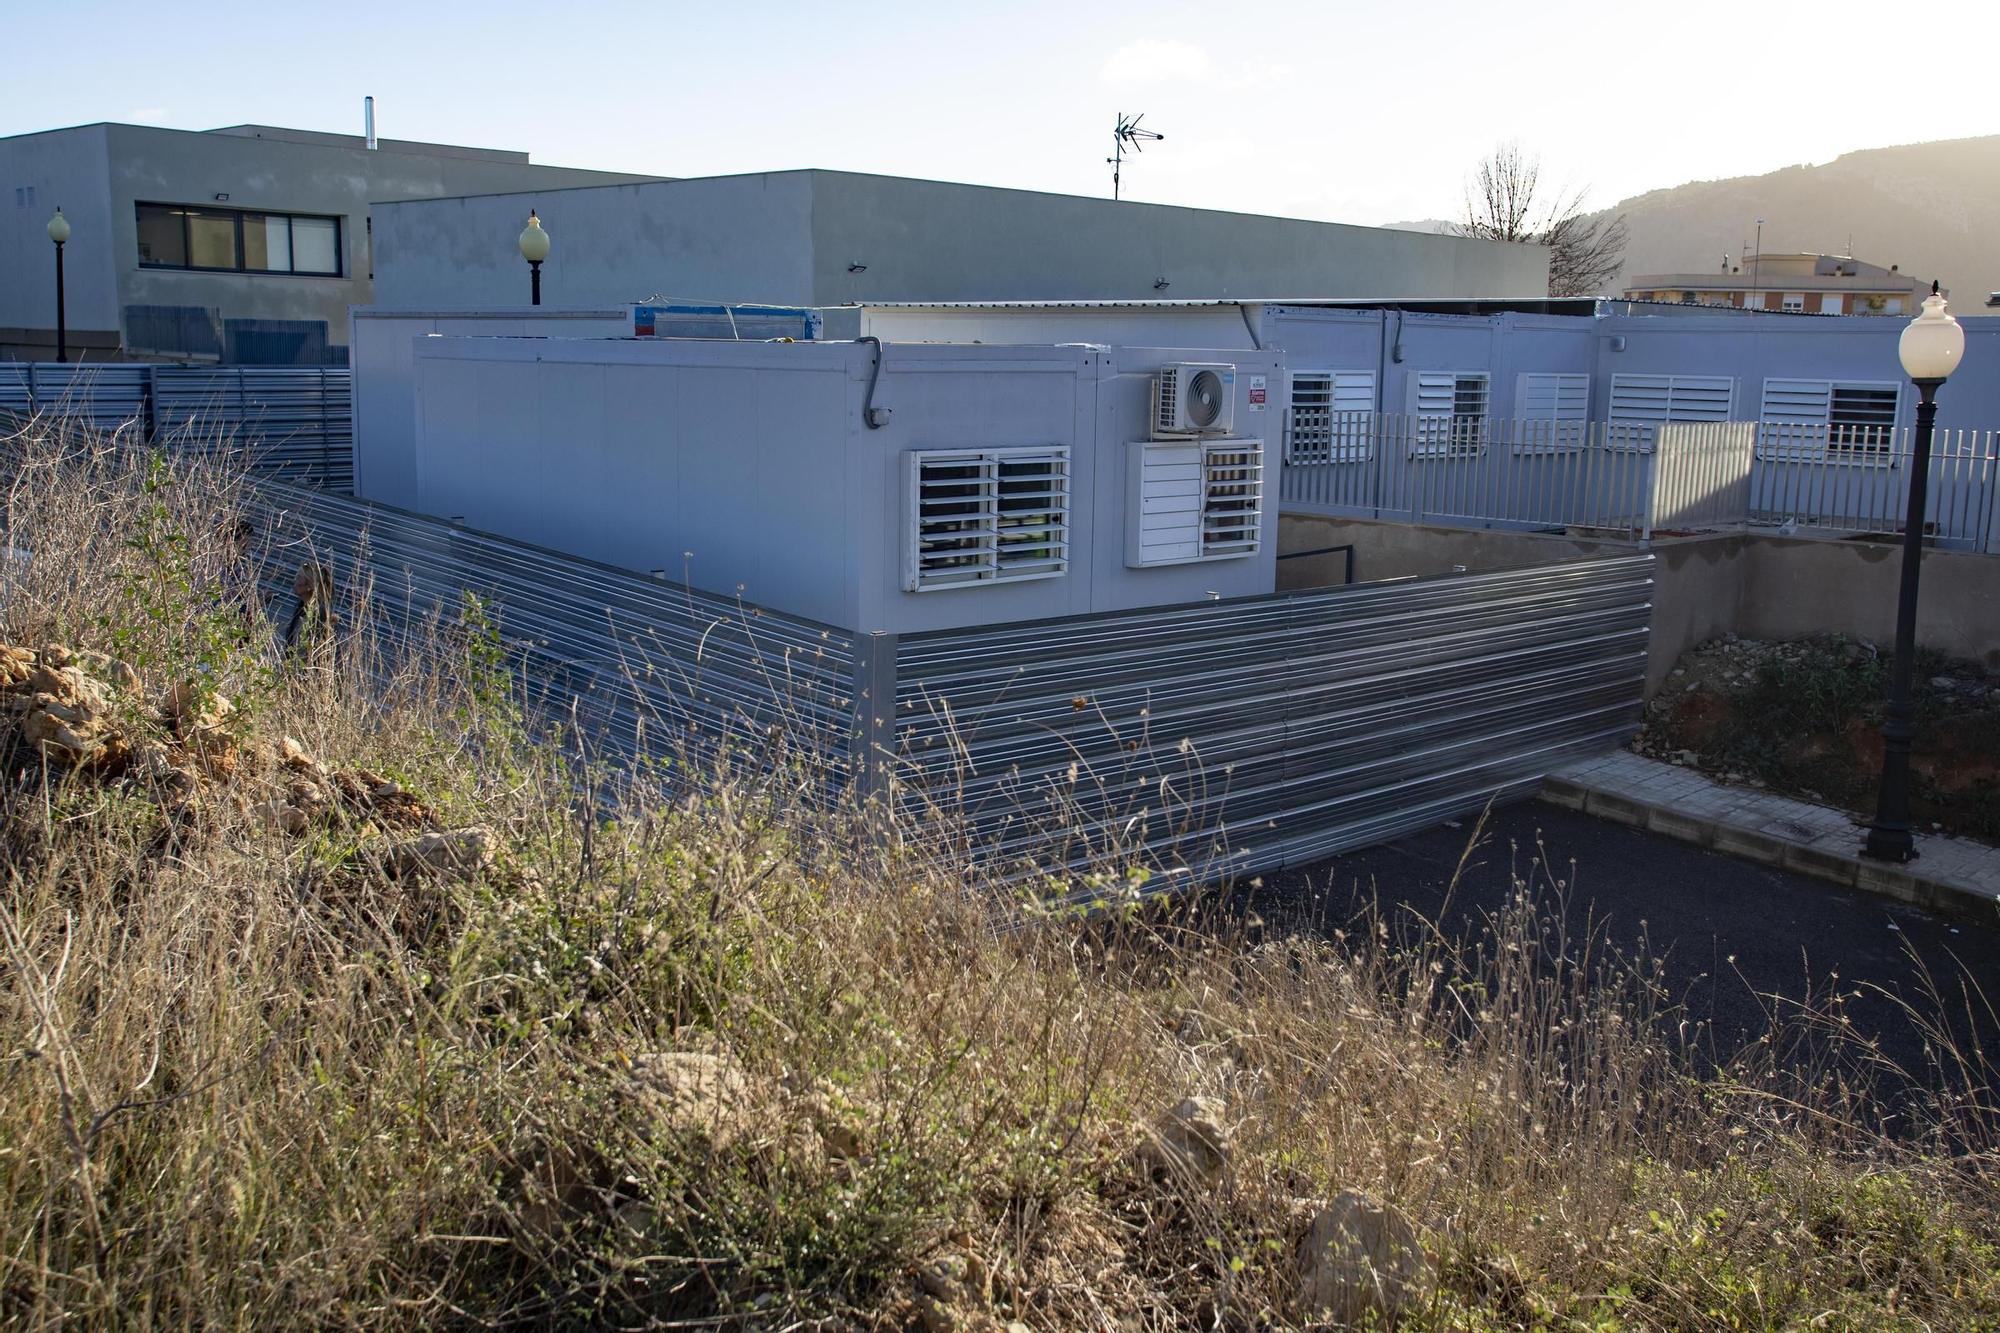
282,816
697,1092
1359,1259
295,756
1192,1140
77,736
198,716
454,854
15,664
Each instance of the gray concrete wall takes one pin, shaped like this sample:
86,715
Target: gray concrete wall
103,170
791,237
936,241
728,238
38,173
1800,587
1755,586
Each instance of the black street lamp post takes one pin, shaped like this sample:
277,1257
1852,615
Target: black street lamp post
534,249
1930,349
59,233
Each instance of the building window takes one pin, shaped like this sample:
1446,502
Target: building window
1449,414
230,240
1853,420
1332,416
986,516
1232,498
1862,418
1794,301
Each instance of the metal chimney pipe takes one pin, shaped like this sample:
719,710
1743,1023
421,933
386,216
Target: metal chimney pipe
368,118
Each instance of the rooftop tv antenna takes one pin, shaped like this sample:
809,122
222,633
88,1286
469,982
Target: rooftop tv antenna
1128,132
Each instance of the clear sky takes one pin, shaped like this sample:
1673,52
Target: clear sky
1343,111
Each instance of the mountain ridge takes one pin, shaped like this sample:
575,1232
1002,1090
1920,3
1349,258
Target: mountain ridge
1931,208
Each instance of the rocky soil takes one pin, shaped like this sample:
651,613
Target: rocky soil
1804,717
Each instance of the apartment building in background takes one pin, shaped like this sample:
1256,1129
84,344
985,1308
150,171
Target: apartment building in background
1812,284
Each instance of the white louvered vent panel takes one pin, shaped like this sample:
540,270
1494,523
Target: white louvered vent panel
986,516
1639,403
1552,411
1332,416
1794,418
1797,400
1193,500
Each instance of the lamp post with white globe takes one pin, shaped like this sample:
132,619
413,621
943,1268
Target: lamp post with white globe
534,249
59,233
1930,350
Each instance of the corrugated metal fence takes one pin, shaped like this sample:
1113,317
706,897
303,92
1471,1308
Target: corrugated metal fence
637,665
293,422
1272,731
1218,736
103,396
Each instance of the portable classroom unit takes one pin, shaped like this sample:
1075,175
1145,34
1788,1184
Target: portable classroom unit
380,340
876,487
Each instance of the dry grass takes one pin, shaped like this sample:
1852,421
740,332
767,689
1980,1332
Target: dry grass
248,1080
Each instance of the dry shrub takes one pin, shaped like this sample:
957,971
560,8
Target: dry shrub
725,1055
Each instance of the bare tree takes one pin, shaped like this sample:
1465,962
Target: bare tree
1586,250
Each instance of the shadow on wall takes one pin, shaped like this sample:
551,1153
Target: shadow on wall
1758,587
200,333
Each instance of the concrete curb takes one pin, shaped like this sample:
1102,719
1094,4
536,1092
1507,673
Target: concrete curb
1906,884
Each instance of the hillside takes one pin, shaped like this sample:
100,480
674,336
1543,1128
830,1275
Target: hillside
336,993
1929,207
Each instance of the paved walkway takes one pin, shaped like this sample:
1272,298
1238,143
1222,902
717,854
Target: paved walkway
1949,875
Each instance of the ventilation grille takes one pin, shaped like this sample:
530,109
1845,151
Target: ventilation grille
1232,498
1166,402
987,516
1187,500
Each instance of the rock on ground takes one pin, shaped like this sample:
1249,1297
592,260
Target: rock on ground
1359,1258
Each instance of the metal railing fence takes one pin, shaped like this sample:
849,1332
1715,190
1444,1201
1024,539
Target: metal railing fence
1637,479
1816,479
294,423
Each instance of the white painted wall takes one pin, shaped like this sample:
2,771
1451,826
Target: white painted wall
831,238
380,344
723,239
745,467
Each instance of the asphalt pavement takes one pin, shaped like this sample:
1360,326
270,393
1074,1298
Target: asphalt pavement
1730,932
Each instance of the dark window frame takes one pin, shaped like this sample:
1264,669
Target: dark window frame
238,216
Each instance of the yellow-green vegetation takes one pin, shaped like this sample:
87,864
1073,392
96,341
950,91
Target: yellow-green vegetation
327,1001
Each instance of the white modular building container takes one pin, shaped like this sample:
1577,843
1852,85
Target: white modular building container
875,487
380,341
